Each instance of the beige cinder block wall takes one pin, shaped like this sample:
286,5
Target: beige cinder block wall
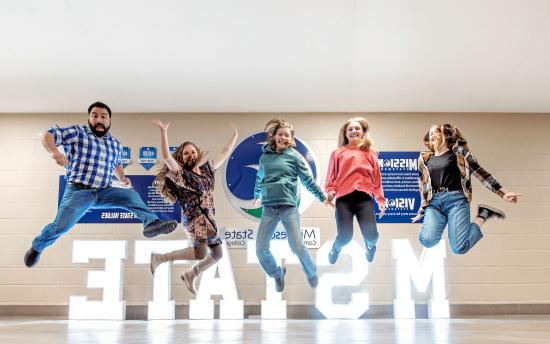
510,265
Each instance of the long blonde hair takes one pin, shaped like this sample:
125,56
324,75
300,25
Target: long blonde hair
271,128
165,189
366,141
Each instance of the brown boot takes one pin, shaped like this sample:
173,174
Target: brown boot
156,260
188,278
190,275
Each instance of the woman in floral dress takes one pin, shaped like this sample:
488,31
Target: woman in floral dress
187,178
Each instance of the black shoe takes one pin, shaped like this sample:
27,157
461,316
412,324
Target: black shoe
159,227
280,282
370,253
486,212
31,257
333,256
313,281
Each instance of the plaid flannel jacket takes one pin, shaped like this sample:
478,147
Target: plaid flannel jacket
468,166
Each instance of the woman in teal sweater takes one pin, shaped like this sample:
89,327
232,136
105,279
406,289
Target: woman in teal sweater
276,189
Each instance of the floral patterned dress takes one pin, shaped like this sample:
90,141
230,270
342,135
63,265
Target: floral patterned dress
196,198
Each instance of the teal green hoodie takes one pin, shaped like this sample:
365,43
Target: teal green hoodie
277,177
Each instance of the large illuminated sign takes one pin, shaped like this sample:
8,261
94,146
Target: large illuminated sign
219,280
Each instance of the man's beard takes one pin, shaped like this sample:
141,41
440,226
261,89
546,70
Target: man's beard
96,132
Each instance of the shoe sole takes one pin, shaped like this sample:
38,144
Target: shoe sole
494,210
166,229
283,278
26,258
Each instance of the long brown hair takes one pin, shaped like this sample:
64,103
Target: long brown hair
366,141
449,132
271,128
165,189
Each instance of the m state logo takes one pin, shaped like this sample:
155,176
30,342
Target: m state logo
240,171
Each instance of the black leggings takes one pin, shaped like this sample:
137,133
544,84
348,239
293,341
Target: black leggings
357,204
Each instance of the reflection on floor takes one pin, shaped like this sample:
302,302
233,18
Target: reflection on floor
531,330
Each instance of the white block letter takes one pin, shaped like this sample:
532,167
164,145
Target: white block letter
109,279
421,272
359,302
273,307
230,307
161,307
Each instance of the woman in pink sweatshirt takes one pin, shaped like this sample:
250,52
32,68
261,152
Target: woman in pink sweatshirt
353,178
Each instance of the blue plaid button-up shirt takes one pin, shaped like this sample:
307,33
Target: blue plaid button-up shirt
92,160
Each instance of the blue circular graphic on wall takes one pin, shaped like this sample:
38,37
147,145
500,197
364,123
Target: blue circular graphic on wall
240,171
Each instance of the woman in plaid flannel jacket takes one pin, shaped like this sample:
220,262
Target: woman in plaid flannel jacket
446,190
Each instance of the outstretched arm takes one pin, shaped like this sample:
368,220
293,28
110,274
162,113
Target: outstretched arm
487,179
332,173
309,182
48,142
170,162
224,154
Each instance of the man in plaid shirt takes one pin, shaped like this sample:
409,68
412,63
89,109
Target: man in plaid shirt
91,158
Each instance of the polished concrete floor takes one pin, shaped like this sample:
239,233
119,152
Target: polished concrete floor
531,330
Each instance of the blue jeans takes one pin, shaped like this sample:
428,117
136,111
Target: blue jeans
453,209
290,218
76,201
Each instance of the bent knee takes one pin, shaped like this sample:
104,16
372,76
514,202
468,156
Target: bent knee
216,252
460,250
429,241
200,252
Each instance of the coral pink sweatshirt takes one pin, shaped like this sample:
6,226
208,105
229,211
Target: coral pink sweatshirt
351,169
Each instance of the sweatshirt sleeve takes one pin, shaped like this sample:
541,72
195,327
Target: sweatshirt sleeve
332,173
307,179
259,181
64,136
378,191
422,186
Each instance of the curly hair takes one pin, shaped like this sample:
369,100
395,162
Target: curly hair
450,134
271,128
163,184
366,141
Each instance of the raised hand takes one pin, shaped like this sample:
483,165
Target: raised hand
235,131
162,126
